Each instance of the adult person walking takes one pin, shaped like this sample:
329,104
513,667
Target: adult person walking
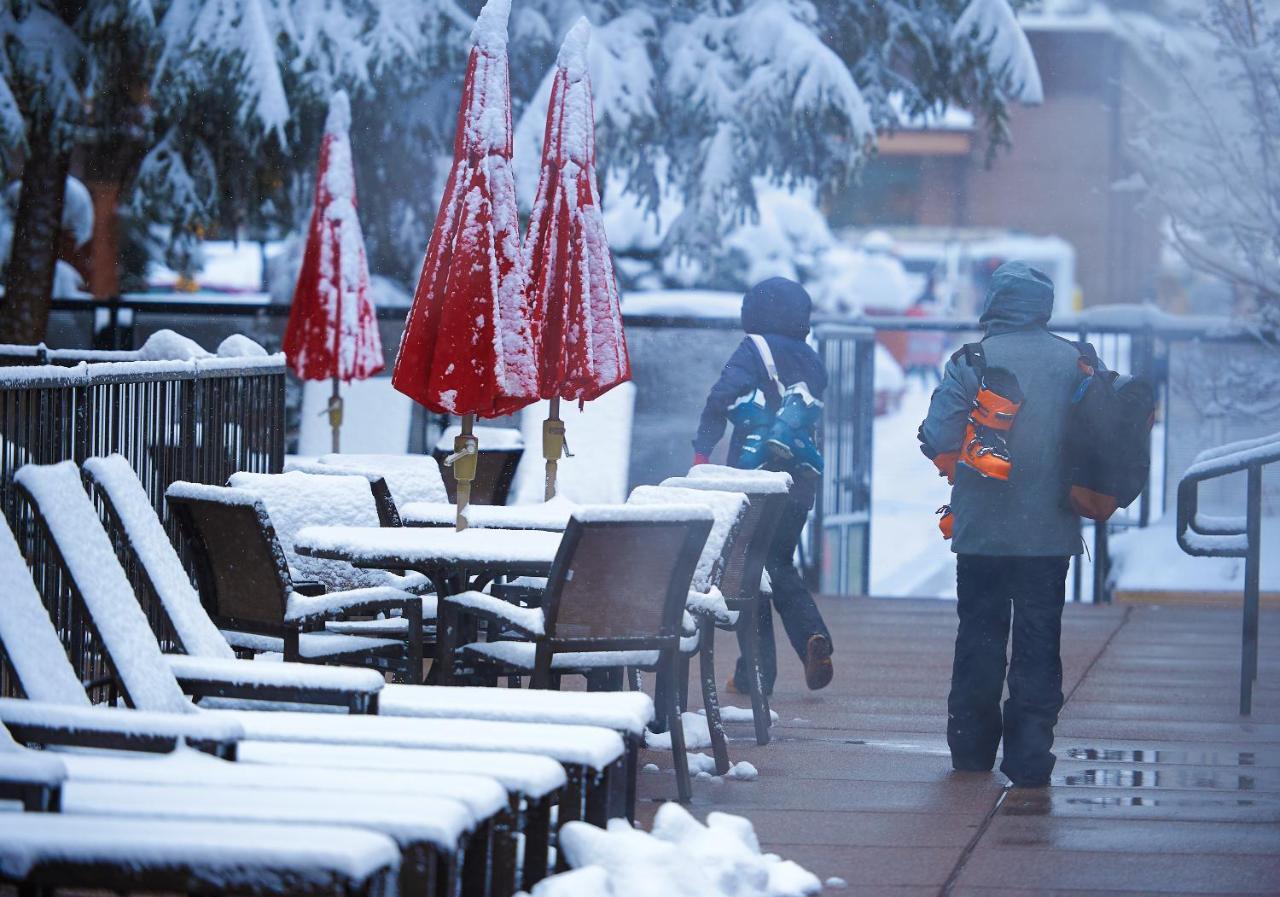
775,312
1013,537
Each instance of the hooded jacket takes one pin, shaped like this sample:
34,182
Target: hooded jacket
777,309
1028,515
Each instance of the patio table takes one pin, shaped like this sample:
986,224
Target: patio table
454,561
553,516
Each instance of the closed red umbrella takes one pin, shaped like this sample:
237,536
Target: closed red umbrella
468,343
572,288
333,331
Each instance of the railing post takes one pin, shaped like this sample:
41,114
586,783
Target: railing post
1252,563
1100,564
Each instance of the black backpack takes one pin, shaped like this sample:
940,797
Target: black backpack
1108,441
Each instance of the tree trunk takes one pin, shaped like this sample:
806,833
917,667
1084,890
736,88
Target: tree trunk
24,311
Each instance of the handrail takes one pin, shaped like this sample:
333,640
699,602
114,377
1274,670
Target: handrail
1205,535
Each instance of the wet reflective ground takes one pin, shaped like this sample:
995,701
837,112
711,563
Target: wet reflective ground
1160,788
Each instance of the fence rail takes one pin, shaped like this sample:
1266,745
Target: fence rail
1232,537
194,420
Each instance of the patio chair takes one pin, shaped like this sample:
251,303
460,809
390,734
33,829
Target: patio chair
501,449
295,500
29,777
244,578
615,599
384,502
409,477
744,569
729,509
594,758
212,669
62,714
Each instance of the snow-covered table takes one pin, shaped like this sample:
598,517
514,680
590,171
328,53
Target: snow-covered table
455,561
552,516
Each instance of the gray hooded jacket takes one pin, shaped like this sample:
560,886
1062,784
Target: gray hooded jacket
1026,516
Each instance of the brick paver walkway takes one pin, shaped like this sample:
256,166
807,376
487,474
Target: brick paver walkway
1161,788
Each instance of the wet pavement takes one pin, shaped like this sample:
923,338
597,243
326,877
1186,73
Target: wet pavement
1160,788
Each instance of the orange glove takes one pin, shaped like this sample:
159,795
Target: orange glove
946,464
699,458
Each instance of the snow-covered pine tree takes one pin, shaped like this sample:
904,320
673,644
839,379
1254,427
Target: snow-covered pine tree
1211,161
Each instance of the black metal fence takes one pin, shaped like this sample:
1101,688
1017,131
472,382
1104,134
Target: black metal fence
189,420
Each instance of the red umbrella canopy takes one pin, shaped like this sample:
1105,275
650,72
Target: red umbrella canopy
573,291
468,342
332,330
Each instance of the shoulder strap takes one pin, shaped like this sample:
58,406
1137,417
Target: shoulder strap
766,355
974,355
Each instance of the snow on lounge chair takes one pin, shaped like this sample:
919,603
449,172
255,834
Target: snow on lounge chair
58,713
615,599
384,502
594,758
741,586
244,576
29,777
209,655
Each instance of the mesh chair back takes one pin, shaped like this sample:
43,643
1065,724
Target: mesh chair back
745,560
622,576
244,579
388,513
495,471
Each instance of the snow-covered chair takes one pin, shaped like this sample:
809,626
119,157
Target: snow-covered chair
501,449
244,576
160,569
58,711
742,585
41,851
409,477
615,599
594,758
295,500
705,605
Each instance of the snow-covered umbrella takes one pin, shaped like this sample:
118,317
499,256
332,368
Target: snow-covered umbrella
468,343
333,331
572,289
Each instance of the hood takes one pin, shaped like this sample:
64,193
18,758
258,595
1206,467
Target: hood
777,305
1020,298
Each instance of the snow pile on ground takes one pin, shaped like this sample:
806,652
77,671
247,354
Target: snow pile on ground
731,714
696,734
681,857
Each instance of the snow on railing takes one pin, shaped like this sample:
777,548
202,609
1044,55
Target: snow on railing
1206,535
173,409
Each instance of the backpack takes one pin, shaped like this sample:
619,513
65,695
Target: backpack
785,439
1108,439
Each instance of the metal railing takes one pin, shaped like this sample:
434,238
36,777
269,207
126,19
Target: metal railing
1128,339
183,420
1232,537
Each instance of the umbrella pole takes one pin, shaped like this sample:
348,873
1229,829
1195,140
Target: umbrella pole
466,449
552,446
335,414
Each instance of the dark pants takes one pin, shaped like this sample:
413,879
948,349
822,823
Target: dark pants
791,598
991,590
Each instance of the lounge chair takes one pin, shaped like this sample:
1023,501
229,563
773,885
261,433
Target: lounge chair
410,477
59,714
594,758
52,850
615,599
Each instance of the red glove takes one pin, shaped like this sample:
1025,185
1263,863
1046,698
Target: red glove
699,458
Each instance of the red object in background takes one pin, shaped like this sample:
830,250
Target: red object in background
573,294
468,342
333,331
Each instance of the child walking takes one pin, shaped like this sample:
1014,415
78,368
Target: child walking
776,312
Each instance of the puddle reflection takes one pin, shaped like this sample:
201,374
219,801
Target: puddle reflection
1141,778
1190,758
